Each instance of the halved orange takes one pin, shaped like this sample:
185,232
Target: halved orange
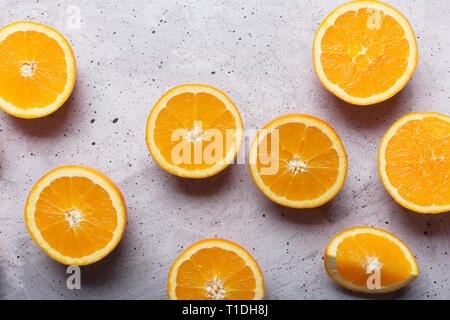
365,52
194,131
215,269
37,69
76,215
414,162
298,161
370,260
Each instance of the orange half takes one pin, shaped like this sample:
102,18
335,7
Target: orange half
37,69
194,131
414,162
369,260
365,52
298,161
215,269
76,215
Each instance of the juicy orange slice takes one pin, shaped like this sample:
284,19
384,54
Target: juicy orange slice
76,215
414,162
37,70
215,269
369,260
365,52
298,161
194,131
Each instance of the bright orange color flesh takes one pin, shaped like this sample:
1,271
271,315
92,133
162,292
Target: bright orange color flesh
75,214
43,57
353,252
211,263
309,145
63,196
215,269
364,52
418,161
298,161
187,111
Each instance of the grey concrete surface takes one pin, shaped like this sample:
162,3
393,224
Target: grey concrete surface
258,52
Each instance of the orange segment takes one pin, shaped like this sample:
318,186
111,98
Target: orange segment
414,162
37,69
365,52
369,260
76,215
215,269
194,131
298,161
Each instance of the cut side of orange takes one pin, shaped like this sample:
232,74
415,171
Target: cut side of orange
215,269
370,260
76,215
365,52
37,70
194,131
414,162
298,161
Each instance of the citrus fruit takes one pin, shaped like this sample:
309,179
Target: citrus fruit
76,215
369,260
414,162
365,52
194,131
215,269
37,69
298,161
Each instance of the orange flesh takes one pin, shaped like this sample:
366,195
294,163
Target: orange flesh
210,264
188,111
32,69
309,145
354,251
64,196
364,52
418,161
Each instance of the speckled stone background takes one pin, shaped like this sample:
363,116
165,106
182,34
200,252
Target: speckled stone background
258,52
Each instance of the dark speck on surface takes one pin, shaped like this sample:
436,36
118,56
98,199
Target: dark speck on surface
115,120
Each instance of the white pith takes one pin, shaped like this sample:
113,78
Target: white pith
28,68
296,165
215,289
74,217
74,171
372,264
195,133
